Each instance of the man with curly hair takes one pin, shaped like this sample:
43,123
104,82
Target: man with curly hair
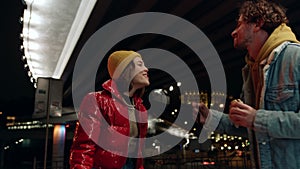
268,113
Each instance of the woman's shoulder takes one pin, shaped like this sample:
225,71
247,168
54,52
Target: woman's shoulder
98,95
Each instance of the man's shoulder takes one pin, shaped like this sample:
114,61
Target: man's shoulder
289,49
292,49
291,53
293,46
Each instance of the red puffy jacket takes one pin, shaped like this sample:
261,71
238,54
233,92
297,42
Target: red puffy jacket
101,136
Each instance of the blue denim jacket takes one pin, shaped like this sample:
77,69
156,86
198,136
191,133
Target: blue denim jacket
277,123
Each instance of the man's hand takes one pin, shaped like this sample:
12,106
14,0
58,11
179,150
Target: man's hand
202,110
242,114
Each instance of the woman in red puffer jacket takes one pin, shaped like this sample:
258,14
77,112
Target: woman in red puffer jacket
113,122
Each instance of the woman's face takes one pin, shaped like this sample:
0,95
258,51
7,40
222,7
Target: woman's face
139,74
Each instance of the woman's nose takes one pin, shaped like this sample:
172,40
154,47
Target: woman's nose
146,69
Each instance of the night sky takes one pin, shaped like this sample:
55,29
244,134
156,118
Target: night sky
16,90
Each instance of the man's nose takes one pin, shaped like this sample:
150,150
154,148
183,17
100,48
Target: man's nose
233,33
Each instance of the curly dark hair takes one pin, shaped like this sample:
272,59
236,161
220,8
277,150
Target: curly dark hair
271,13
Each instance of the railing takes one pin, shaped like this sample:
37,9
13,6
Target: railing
169,161
197,163
52,165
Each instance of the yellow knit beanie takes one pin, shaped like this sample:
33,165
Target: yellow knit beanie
118,61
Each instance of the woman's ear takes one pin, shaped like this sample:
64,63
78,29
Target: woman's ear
127,74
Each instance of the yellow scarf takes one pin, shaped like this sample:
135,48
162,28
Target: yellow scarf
281,34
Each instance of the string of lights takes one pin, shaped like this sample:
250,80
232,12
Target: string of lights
24,35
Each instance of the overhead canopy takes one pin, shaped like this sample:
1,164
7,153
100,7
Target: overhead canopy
51,29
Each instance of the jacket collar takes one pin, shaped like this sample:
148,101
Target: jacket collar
111,86
282,33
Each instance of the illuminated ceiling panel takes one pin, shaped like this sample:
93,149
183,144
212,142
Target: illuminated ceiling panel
51,29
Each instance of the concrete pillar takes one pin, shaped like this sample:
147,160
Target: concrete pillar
59,136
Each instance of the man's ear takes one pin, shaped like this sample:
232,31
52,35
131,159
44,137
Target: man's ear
259,24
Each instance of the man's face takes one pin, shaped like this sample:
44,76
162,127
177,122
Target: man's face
139,74
242,34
